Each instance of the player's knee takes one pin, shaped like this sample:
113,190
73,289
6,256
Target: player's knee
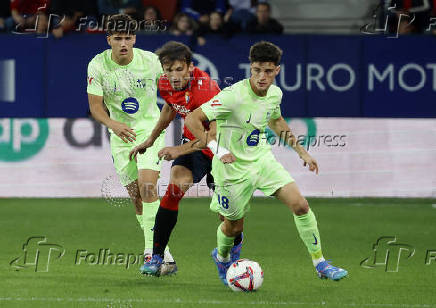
300,206
148,192
236,229
182,182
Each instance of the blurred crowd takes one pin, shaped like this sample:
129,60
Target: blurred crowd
402,17
196,18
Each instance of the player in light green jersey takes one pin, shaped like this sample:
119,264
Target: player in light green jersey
243,161
123,81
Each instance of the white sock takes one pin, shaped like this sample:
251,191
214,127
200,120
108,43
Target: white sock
167,255
222,259
317,261
148,251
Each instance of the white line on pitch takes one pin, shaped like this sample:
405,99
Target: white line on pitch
211,302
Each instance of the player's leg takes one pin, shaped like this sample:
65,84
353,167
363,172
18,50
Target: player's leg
181,180
304,218
231,200
147,182
307,227
135,197
166,217
275,180
149,167
227,231
235,252
128,174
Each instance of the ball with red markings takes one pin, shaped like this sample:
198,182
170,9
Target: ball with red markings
244,275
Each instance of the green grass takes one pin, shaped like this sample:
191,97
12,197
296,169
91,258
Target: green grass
349,228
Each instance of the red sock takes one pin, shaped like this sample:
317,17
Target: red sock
172,198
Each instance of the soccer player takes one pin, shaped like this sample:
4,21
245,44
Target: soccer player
123,79
184,88
244,162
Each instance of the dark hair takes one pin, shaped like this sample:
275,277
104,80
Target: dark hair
155,9
266,4
180,15
264,51
121,23
173,51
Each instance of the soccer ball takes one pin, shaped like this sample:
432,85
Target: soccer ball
244,275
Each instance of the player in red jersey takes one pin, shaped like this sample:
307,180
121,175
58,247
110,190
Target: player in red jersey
184,88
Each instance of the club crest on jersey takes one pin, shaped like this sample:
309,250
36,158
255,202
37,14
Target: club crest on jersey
253,138
130,105
140,83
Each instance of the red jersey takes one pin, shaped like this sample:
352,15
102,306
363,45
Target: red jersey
29,6
200,89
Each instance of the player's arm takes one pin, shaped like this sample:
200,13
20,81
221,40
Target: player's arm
167,114
194,122
281,128
100,114
170,153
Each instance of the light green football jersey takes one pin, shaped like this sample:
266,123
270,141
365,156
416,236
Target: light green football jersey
242,118
129,91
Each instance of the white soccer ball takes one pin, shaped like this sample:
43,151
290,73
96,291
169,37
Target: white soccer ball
244,275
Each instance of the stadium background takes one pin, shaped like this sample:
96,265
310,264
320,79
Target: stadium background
360,95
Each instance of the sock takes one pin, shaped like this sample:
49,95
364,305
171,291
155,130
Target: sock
166,218
225,244
167,256
238,240
308,229
148,217
139,219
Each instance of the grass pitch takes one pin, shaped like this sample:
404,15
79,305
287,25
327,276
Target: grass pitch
84,228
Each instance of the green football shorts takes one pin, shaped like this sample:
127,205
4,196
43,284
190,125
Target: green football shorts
128,170
233,191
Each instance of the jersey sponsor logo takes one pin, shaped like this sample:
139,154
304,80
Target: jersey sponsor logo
181,109
216,102
130,105
253,138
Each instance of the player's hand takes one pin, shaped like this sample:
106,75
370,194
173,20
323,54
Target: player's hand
228,158
308,160
169,153
140,148
123,131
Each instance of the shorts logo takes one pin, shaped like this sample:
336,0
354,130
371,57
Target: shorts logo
90,80
130,105
253,138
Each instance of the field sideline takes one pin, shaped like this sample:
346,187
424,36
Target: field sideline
83,230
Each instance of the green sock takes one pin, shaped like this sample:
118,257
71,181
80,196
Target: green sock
225,243
139,219
149,211
308,230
